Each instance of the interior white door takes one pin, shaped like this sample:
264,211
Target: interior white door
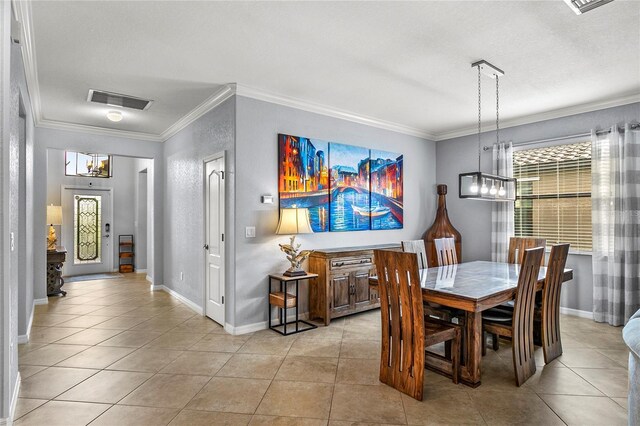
214,239
87,226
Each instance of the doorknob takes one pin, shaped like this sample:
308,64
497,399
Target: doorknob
206,246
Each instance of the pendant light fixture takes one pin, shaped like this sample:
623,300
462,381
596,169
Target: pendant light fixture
478,185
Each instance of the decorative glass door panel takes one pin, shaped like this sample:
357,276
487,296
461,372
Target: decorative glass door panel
87,229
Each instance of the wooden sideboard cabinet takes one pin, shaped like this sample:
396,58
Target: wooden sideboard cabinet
342,286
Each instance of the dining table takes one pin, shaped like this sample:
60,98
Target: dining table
473,287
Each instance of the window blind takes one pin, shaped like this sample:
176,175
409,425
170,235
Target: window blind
553,200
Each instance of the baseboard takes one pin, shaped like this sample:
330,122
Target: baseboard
576,313
140,271
197,309
148,278
14,402
263,325
158,287
44,301
24,338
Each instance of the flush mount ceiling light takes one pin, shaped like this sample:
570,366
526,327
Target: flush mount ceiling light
477,185
114,116
582,6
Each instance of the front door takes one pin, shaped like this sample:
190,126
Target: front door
87,228
214,239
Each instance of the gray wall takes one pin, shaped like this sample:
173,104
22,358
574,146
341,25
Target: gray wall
47,139
123,184
473,218
141,212
184,156
257,126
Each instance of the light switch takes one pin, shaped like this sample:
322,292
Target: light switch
250,232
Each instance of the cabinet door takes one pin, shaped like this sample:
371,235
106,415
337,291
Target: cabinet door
340,286
361,288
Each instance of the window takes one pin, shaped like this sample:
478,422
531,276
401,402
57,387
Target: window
86,226
87,165
553,200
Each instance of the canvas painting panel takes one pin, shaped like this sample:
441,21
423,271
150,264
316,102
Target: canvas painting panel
386,190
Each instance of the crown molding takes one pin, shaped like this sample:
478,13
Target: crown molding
22,12
625,99
219,96
94,130
262,95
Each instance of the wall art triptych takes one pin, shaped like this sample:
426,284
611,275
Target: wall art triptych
345,187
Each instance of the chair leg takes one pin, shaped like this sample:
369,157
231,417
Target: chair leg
447,349
484,343
496,343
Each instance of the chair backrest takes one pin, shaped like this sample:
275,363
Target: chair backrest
523,312
402,355
518,245
417,247
446,251
551,301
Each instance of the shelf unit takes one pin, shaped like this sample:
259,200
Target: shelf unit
126,253
283,300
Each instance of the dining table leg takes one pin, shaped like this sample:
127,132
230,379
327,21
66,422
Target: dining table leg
473,356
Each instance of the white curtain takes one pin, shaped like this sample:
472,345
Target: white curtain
615,196
502,212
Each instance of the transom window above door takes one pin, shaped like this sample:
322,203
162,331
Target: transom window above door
87,165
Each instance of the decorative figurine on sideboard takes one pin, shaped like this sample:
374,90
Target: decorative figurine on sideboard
294,221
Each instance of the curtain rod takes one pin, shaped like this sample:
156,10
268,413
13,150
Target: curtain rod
577,135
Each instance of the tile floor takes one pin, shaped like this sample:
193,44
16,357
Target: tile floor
114,353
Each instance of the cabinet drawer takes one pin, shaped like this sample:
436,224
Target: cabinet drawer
350,262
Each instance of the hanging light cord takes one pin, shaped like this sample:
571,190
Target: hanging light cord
497,110
479,115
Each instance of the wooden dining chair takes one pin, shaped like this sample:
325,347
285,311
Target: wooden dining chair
446,251
549,314
518,245
519,325
417,247
406,332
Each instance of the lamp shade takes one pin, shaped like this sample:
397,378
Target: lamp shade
54,215
294,221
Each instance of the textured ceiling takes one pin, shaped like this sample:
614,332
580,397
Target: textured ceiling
404,63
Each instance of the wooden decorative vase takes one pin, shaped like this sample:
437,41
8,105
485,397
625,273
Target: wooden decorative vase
441,228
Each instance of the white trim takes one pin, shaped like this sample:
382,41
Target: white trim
14,400
140,271
148,278
626,99
44,301
576,313
288,101
94,130
263,325
24,338
216,99
194,307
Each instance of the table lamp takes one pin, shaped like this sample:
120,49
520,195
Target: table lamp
294,221
54,217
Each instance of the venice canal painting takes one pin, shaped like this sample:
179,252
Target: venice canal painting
345,187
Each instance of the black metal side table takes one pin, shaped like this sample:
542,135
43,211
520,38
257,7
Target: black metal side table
284,300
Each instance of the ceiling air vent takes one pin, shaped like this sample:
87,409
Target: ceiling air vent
118,100
582,6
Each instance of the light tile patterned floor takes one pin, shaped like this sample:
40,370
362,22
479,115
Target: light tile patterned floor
114,353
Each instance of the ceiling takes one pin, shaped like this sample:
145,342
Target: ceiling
402,66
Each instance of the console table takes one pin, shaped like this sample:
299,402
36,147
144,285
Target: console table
342,287
55,260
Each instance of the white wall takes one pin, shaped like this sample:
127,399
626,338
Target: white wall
183,236
141,233
257,126
473,218
123,185
46,139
